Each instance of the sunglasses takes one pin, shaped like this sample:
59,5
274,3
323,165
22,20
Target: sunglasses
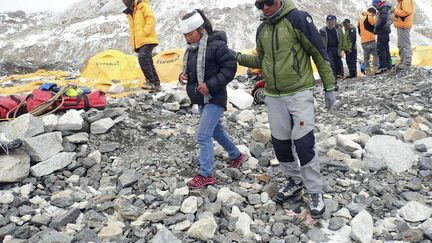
260,4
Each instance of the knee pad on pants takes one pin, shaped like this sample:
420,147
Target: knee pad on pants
283,149
305,148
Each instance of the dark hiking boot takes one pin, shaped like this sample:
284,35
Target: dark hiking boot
291,190
200,181
317,205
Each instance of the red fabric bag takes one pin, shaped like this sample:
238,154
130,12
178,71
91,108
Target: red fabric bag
10,102
96,99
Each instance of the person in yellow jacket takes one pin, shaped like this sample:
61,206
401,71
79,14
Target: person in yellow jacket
403,18
366,26
143,38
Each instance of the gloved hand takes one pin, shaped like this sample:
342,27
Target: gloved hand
330,99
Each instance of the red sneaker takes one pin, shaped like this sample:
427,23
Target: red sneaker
200,181
236,163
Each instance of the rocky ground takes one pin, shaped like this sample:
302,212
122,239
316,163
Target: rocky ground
119,175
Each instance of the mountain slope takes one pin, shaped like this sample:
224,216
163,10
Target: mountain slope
91,26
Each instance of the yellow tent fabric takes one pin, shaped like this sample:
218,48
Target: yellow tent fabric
112,65
422,56
169,65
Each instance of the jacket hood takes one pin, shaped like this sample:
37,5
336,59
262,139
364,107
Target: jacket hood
286,7
218,35
366,13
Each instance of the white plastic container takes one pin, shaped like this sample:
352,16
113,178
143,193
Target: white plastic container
239,98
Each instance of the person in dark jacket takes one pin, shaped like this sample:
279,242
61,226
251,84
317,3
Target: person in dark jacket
208,67
382,30
336,44
351,54
285,42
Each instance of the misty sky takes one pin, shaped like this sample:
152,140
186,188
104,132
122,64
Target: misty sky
34,5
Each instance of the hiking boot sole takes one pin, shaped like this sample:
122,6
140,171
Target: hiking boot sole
318,215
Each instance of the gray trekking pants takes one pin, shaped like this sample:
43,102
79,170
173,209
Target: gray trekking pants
404,45
370,48
292,120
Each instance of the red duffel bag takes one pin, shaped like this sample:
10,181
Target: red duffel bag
11,104
95,99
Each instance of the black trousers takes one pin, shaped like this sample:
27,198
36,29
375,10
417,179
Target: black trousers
145,60
383,50
335,61
351,60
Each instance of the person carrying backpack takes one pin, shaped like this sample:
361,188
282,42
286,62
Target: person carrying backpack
285,41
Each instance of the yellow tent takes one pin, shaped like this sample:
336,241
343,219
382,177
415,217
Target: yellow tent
169,65
422,56
112,65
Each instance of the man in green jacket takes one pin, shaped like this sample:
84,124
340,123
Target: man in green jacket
335,43
285,41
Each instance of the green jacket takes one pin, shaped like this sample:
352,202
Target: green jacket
343,42
285,44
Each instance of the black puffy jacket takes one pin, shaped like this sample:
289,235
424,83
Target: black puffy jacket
220,69
384,20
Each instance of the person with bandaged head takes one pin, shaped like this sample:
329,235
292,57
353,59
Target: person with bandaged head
208,67
143,39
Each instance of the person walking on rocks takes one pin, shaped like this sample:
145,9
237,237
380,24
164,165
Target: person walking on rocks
285,41
143,38
403,18
208,67
351,54
335,43
366,30
382,30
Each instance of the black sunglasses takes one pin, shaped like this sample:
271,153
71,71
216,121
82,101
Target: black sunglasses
260,4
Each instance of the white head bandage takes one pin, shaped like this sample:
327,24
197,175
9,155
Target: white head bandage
191,23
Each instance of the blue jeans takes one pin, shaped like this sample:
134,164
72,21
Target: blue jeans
210,127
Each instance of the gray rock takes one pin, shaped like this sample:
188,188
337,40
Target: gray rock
164,235
81,137
412,235
68,217
254,199
41,219
70,121
25,126
15,167
108,147
128,178
396,154
278,228
425,163
415,212
336,223
86,235
47,167
50,235
203,229
44,146
316,235
362,227
101,126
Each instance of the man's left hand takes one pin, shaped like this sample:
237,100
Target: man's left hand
330,99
